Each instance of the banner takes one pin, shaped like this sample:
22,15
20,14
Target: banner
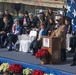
71,12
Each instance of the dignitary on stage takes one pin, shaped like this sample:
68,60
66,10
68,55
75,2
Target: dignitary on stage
61,33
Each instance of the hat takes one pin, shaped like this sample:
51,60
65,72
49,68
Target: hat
59,19
26,12
39,15
40,11
30,14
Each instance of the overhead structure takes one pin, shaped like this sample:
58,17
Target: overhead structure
44,3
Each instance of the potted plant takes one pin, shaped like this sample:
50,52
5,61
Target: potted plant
43,54
38,72
16,69
27,71
4,68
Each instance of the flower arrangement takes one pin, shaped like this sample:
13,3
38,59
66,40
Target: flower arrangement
27,71
4,67
42,54
15,68
38,72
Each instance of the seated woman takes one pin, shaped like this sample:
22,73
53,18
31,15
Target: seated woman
37,43
12,37
50,26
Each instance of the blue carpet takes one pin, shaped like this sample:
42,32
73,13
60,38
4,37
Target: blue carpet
27,60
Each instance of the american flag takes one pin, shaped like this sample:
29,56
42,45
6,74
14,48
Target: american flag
71,12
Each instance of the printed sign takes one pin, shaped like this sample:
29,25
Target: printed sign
46,42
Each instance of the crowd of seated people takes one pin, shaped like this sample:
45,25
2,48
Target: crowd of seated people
11,28
43,23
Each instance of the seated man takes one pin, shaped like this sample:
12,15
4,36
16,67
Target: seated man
12,37
4,29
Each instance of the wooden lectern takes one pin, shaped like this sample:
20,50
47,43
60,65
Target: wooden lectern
54,47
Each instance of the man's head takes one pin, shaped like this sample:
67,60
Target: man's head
5,19
67,21
59,21
39,16
6,12
26,13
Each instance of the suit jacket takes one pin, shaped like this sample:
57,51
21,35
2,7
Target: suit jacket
61,32
69,29
1,24
6,28
10,18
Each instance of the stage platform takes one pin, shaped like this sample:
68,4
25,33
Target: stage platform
12,56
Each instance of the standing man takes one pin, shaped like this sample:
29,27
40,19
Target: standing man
61,33
68,33
9,16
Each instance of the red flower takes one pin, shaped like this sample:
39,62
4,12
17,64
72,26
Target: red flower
15,68
38,72
42,53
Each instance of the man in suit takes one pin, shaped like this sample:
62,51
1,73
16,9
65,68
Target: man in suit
5,28
61,33
69,39
9,16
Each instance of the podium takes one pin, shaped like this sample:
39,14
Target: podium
54,47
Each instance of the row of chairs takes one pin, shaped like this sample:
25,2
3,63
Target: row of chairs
25,40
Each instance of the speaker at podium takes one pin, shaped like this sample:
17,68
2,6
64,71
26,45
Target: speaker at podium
54,47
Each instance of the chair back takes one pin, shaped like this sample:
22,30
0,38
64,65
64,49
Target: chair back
24,37
32,35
